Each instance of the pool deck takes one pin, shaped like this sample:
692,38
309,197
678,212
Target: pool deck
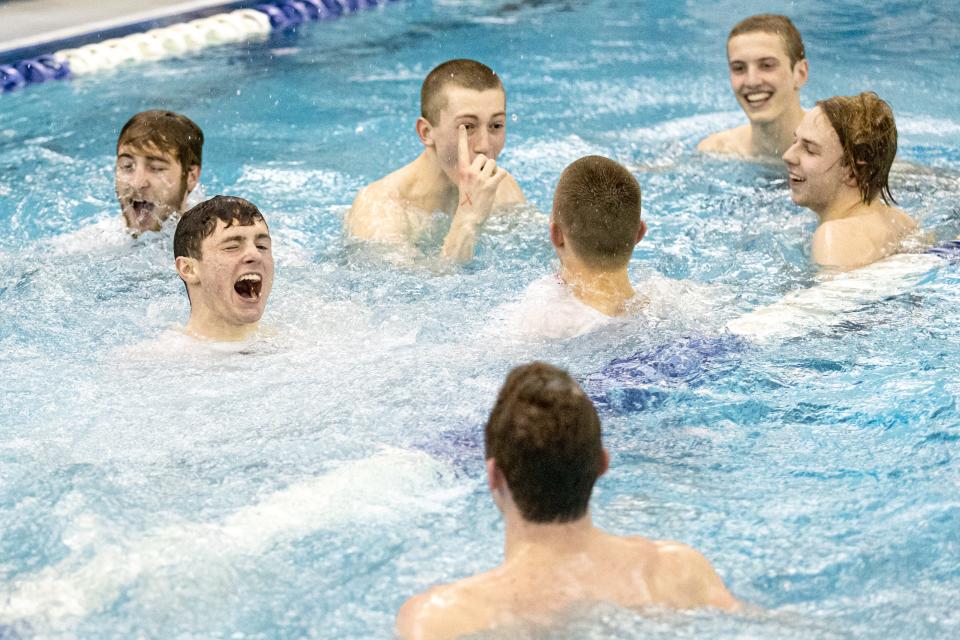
29,25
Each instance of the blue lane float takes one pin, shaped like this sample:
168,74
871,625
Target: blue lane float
177,39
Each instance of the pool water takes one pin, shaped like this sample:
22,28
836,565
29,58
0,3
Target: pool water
307,486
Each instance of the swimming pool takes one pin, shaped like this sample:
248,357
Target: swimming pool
309,487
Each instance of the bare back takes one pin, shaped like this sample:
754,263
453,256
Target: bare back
535,588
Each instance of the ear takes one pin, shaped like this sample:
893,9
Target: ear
495,480
641,231
193,177
605,464
801,72
556,235
425,131
188,270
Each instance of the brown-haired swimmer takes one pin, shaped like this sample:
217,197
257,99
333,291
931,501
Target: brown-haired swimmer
222,250
463,127
594,225
543,455
159,155
768,66
839,167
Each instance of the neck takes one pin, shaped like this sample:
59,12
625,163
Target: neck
428,187
206,326
775,137
606,290
523,538
846,205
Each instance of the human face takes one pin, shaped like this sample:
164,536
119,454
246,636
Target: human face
814,161
151,185
483,113
761,77
234,274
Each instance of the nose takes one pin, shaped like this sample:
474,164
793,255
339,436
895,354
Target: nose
139,179
753,75
790,155
251,253
481,141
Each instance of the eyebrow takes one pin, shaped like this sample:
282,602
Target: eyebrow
498,114
808,141
128,156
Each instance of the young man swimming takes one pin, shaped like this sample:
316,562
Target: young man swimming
839,167
222,251
159,154
768,67
463,127
544,454
594,226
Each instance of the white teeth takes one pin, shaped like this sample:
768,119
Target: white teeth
757,97
250,276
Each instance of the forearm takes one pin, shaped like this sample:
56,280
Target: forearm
462,237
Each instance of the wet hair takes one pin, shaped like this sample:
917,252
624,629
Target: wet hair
544,435
773,23
868,134
597,205
170,132
201,221
467,74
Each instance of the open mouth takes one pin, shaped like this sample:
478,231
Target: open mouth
248,286
142,207
757,98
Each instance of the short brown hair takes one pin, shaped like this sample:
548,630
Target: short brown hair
468,74
597,205
868,135
544,435
170,132
201,221
773,23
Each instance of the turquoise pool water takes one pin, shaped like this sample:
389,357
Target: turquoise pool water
307,488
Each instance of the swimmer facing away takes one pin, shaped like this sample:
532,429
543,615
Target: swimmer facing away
159,155
594,225
767,67
839,166
223,255
463,127
544,453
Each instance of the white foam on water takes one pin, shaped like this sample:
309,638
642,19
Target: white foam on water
825,304
387,488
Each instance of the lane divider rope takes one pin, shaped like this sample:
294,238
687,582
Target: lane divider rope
177,39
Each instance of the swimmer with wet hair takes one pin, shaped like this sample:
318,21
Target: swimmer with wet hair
594,225
768,67
543,455
223,255
839,167
463,128
159,155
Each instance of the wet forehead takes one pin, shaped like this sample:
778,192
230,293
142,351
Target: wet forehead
469,102
149,152
815,127
756,45
245,231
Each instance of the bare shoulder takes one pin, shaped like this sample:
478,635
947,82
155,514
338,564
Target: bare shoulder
734,141
509,192
378,213
443,612
688,579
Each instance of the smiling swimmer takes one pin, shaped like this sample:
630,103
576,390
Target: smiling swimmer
463,128
223,255
768,67
839,166
159,154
